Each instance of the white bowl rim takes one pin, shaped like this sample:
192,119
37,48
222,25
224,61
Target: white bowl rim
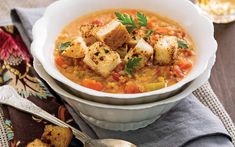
92,92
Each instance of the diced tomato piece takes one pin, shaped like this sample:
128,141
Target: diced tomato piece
158,71
116,76
185,64
120,67
131,88
151,24
130,12
176,71
183,34
92,84
59,60
79,60
188,53
97,22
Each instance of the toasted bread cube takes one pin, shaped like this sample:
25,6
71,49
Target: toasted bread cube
77,49
88,32
57,136
101,58
142,50
114,34
166,50
37,143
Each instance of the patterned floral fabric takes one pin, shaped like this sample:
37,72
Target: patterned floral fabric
16,70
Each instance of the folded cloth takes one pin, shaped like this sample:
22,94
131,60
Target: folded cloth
189,123
16,127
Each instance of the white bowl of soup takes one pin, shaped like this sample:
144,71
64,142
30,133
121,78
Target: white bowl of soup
121,117
125,51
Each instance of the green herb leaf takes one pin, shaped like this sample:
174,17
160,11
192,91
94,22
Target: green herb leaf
142,19
131,64
182,44
64,45
148,33
126,20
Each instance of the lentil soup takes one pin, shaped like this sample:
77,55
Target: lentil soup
124,51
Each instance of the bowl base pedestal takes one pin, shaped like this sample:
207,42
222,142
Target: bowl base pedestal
119,126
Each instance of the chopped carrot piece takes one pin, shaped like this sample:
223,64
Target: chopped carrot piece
162,30
131,88
92,84
185,64
59,60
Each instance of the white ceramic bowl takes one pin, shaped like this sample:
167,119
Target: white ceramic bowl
121,117
62,12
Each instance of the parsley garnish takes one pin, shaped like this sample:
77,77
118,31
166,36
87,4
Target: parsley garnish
142,19
129,21
182,44
131,64
126,20
64,45
148,33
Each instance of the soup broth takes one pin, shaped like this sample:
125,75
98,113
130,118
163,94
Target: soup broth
124,51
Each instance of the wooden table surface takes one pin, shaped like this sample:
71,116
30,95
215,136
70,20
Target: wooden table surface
223,73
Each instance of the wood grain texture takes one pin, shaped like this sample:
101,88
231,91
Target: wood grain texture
223,74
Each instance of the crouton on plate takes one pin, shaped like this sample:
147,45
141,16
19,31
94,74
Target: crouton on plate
101,58
142,50
166,50
114,34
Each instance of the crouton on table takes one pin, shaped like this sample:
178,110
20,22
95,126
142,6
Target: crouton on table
37,143
57,136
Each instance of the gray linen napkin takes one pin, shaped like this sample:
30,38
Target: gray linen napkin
188,124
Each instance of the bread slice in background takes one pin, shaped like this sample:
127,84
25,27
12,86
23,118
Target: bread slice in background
37,143
57,136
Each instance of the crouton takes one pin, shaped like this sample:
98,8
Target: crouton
142,50
77,49
88,32
57,136
114,34
166,50
101,58
37,143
